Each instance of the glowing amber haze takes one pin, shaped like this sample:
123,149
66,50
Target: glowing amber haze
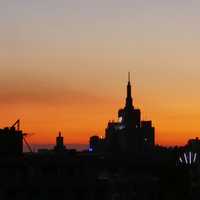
64,66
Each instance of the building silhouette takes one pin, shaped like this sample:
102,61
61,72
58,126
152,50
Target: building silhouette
11,140
62,173
59,147
129,135
193,144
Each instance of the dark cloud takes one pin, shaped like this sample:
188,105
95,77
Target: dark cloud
48,96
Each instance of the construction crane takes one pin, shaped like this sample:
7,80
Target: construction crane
24,135
17,123
26,142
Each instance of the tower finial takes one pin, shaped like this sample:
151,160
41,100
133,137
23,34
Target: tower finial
129,97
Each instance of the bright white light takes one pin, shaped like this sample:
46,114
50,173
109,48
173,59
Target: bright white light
185,156
195,156
190,157
120,119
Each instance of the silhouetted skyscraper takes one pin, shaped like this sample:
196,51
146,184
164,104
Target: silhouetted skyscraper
130,134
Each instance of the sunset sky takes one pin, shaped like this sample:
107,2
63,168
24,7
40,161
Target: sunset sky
64,66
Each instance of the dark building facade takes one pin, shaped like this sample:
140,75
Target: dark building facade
194,144
11,141
59,143
129,135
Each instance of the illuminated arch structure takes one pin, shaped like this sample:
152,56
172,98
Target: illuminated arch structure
188,158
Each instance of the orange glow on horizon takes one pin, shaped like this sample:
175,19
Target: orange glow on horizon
79,120
64,66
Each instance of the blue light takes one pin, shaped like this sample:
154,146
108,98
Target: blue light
90,149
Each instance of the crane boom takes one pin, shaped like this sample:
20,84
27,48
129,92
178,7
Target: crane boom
27,144
16,123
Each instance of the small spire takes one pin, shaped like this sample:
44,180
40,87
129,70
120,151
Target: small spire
129,76
59,134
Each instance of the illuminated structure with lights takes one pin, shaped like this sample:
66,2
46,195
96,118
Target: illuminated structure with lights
188,158
129,134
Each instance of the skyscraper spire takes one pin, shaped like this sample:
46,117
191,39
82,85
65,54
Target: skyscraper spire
129,97
129,76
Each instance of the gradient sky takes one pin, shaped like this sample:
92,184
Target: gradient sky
64,66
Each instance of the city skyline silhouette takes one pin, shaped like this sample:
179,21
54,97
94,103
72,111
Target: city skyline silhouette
85,146
82,145
99,100
125,164
63,62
